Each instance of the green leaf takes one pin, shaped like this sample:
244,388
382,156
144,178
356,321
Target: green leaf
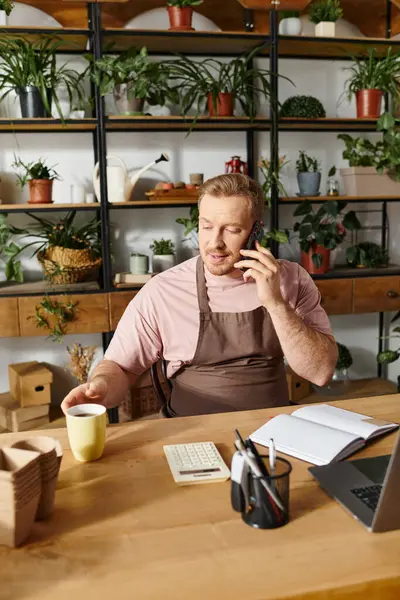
303,209
317,260
387,357
350,221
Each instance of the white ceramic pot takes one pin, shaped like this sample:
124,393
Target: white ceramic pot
325,29
290,26
3,18
77,114
139,264
162,263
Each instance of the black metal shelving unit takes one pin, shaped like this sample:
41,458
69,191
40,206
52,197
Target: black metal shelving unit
217,44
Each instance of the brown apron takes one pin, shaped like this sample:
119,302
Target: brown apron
238,363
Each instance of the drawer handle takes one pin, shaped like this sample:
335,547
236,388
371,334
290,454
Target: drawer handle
392,294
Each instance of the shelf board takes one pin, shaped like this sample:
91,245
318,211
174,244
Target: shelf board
176,123
231,43
189,201
320,199
327,124
45,287
332,48
22,208
47,125
74,40
201,43
344,272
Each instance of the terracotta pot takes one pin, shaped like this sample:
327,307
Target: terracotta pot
369,104
180,19
41,191
307,261
224,105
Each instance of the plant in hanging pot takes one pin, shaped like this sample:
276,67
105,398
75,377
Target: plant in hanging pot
367,255
163,255
180,14
290,23
30,70
308,175
6,8
302,107
191,225
324,14
219,85
40,179
66,252
322,231
371,77
132,78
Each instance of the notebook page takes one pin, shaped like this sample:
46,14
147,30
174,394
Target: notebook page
308,441
345,420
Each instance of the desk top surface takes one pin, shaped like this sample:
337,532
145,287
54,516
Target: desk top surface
123,529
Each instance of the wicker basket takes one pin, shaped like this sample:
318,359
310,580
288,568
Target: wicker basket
65,265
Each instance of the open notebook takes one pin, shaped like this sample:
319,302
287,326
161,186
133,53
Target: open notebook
320,434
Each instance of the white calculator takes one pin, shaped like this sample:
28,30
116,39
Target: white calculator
196,463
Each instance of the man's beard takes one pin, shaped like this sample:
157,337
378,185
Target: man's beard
224,266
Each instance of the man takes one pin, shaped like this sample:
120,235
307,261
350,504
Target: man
223,331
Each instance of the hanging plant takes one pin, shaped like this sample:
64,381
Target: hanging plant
54,316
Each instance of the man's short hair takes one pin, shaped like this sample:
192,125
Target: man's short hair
236,184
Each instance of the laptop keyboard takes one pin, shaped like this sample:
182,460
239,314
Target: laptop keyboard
369,495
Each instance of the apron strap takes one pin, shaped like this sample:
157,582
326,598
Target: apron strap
202,288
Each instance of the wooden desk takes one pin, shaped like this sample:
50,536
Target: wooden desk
123,530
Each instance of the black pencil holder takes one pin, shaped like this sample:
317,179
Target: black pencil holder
262,512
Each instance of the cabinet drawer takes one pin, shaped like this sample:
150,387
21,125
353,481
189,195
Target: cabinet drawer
375,294
91,314
9,326
118,303
336,296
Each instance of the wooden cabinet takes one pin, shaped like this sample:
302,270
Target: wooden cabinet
336,295
376,294
91,314
118,302
9,326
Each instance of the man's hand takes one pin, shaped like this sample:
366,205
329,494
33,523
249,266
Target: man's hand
95,391
264,269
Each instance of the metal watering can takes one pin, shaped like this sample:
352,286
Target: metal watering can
119,184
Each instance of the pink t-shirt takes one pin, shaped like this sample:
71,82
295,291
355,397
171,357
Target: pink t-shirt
163,320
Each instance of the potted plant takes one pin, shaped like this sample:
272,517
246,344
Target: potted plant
367,255
271,176
302,107
322,231
191,226
6,7
374,169
133,78
40,179
324,14
219,84
333,184
180,13
163,255
139,263
30,69
67,253
343,364
386,357
290,23
308,174
9,252
371,77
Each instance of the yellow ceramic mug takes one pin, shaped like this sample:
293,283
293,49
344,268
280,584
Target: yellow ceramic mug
86,426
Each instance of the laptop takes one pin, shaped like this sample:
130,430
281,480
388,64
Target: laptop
369,488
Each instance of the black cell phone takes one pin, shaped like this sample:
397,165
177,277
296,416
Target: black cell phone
256,235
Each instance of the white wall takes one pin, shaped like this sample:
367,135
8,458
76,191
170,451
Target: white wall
200,152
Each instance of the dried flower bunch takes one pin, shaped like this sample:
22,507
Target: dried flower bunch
81,361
